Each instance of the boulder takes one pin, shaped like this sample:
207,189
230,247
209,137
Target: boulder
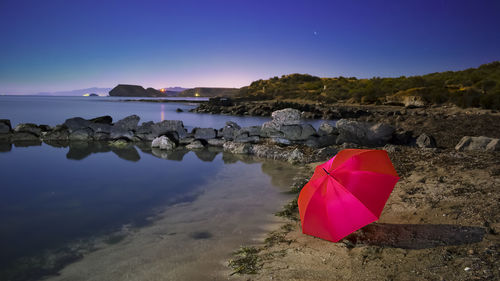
204,133
100,128
287,116
166,126
478,143
76,123
128,123
59,133
28,128
196,144
369,134
120,133
230,131
163,142
327,129
145,131
101,136
413,101
321,141
102,120
24,136
297,132
250,131
216,142
84,134
5,126
247,139
426,141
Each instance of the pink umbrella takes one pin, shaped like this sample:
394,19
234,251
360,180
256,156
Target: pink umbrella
346,193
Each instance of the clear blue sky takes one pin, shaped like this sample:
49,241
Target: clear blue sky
61,45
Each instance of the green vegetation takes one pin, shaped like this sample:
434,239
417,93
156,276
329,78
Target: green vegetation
209,92
246,261
473,87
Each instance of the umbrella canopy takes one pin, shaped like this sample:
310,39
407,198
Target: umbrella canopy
346,193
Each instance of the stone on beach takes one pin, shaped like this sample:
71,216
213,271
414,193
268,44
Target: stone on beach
163,142
426,141
204,133
168,126
5,126
363,133
478,143
128,123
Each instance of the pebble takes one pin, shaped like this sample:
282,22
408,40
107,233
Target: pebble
467,269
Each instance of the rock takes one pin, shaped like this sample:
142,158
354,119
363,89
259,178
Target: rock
391,148
413,101
84,134
76,123
281,141
363,133
120,133
327,129
101,136
102,120
145,131
237,148
247,139
216,142
296,156
179,110
321,141
5,126
164,143
250,131
59,133
28,128
325,153
204,133
167,126
120,143
426,141
100,128
402,137
287,116
271,130
196,144
478,143
186,141
291,132
128,123
230,131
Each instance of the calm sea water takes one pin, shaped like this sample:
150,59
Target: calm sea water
51,110
92,212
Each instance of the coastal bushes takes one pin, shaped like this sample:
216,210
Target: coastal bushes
473,87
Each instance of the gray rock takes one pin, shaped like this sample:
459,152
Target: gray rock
250,131
297,132
233,125
166,126
128,123
59,133
271,130
363,133
164,143
327,129
196,144
5,126
100,128
102,120
478,143
102,136
321,141
76,123
28,128
247,139
281,141
237,148
121,133
426,141
287,116
120,143
216,142
204,133
186,141
145,128
84,134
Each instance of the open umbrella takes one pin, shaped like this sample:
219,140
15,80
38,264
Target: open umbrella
346,193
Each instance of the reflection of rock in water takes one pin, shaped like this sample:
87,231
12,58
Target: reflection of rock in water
176,154
144,146
230,158
80,150
207,154
127,153
57,143
201,235
26,143
5,147
416,236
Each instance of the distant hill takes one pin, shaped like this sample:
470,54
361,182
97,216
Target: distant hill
175,89
80,92
123,90
473,87
209,92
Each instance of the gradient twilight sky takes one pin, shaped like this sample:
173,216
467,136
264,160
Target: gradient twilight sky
56,45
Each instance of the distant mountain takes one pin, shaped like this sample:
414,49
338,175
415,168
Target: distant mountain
80,92
175,89
209,92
